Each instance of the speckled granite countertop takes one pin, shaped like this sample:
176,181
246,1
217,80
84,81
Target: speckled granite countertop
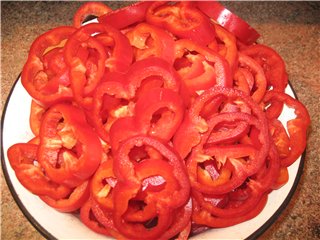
292,28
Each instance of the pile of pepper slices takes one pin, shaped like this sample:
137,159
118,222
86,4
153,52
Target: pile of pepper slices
157,122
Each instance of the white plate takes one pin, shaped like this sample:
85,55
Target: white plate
56,225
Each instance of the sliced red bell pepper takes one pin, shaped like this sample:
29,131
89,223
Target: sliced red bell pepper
88,9
229,50
126,16
73,202
88,218
44,86
203,217
69,150
244,198
36,113
151,67
217,12
297,127
159,112
195,120
272,64
200,67
23,160
102,184
124,165
260,82
111,101
149,40
183,20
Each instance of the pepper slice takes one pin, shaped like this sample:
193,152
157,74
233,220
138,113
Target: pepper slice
76,199
182,20
207,68
297,127
126,16
88,9
149,40
159,112
47,87
23,160
229,20
69,150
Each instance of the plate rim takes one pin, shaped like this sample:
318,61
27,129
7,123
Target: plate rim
48,235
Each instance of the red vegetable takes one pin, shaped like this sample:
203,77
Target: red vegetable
157,122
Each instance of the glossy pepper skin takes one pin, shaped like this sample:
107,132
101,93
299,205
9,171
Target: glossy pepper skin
297,127
159,121
23,159
44,85
69,150
182,20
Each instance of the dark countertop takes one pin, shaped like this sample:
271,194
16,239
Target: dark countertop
291,28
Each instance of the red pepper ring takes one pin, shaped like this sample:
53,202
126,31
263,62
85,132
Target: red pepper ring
126,16
123,193
194,123
88,218
73,202
220,72
203,217
34,77
260,85
229,20
181,224
182,20
152,67
96,9
69,150
149,40
297,127
255,186
159,112
23,160
169,184
102,183
124,167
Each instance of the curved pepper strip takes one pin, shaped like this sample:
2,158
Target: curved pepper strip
124,167
233,154
260,83
88,9
86,216
105,219
73,202
149,40
297,127
111,101
35,118
183,20
23,160
69,150
229,50
255,187
272,64
203,217
102,184
123,193
243,80
159,112
152,67
229,20
126,16
181,224
35,78
194,123
205,75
